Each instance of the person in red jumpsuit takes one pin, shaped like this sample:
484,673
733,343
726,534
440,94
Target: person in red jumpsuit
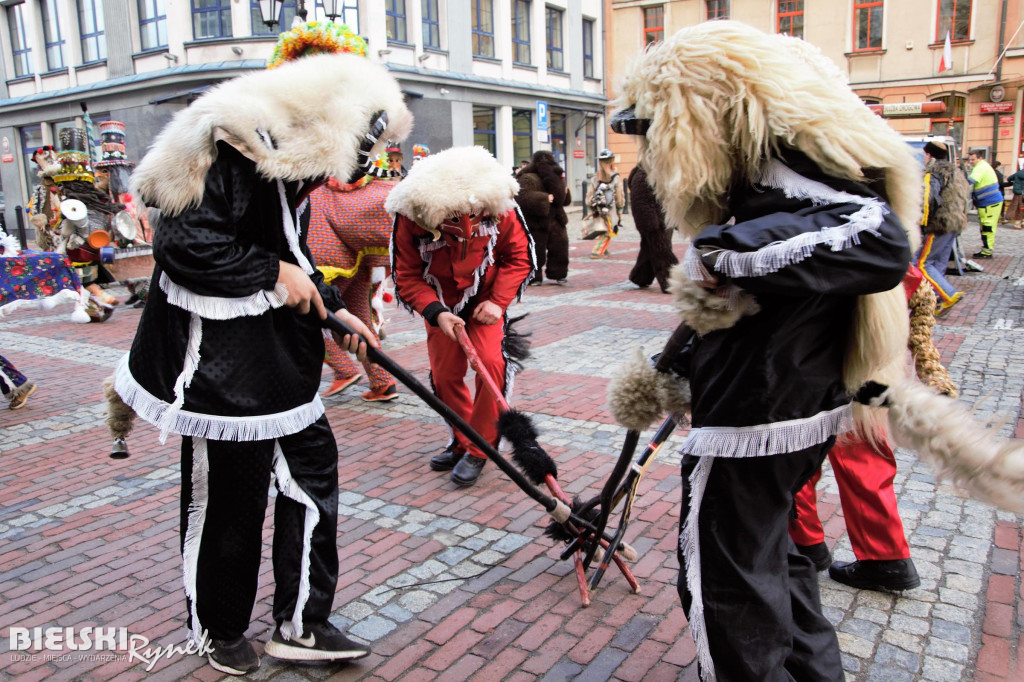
461,254
864,473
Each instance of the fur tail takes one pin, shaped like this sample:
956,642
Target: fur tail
639,394
120,418
988,466
516,345
517,429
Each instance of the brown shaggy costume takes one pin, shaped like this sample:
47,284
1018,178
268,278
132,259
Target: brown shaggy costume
546,219
655,257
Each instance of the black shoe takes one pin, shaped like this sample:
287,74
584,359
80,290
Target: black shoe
445,461
467,470
320,642
982,254
881,576
236,657
536,281
818,554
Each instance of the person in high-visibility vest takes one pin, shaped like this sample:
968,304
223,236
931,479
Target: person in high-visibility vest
988,199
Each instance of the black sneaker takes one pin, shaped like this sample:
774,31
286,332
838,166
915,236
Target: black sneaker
818,554
234,657
320,642
982,254
445,461
881,576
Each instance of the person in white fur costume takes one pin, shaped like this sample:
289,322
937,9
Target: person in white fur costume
229,347
799,204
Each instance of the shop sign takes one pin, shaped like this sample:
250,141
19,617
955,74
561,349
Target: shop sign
1006,120
997,93
1005,132
996,107
579,154
7,158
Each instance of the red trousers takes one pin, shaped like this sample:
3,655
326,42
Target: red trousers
864,474
448,366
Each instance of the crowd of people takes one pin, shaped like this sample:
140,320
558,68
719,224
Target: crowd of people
798,255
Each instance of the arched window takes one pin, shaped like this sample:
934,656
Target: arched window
950,122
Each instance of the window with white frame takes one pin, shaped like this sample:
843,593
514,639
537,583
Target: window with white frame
431,24
51,35
553,28
153,24
521,32
20,47
90,29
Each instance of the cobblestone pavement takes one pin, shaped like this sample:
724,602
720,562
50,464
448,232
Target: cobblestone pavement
459,584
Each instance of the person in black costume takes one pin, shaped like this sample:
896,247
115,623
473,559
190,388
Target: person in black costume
800,204
229,348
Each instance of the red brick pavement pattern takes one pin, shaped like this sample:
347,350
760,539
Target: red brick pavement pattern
119,564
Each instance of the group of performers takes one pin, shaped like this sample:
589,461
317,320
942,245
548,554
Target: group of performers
801,206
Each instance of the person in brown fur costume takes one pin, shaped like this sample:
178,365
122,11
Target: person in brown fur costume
655,258
542,198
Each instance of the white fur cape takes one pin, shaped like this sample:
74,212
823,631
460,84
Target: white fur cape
457,181
302,120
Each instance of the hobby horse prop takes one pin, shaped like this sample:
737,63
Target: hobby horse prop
517,428
632,396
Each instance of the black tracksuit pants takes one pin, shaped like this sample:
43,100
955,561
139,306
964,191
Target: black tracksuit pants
222,514
761,607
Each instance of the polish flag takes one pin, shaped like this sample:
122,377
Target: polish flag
947,55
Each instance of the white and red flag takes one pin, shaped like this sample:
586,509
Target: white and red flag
947,55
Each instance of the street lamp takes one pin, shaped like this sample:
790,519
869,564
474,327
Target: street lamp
331,9
269,10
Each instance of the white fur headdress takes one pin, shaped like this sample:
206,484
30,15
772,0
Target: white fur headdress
460,180
302,120
723,98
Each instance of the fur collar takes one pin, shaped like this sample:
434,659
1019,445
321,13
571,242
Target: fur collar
302,120
460,180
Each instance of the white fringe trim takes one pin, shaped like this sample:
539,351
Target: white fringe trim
767,439
777,255
288,487
214,427
693,266
68,295
689,544
291,229
194,532
533,256
184,380
221,307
